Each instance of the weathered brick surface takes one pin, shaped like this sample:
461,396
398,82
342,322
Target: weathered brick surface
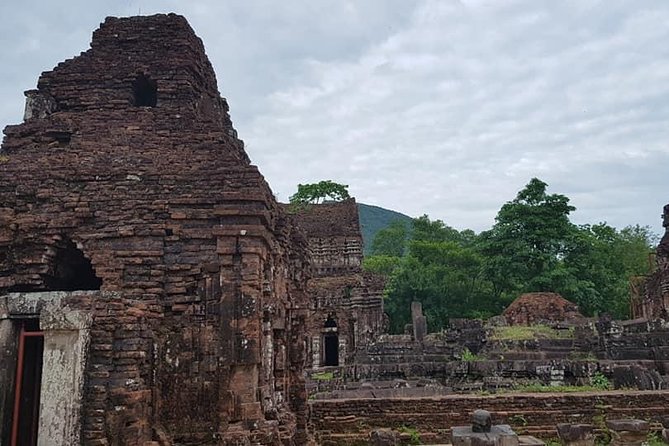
349,421
536,308
165,203
654,302
340,290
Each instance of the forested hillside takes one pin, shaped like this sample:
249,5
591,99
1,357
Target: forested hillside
533,246
374,218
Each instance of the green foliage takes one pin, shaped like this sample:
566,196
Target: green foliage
381,264
582,356
446,277
533,246
322,376
467,356
600,381
526,333
391,241
529,237
373,219
542,388
414,435
317,192
518,420
601,262
654,439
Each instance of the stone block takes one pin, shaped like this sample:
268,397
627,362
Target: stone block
384,437
576,434
628,432
499,435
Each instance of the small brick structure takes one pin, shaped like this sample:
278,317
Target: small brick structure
538,308
653,302
345,302
127,189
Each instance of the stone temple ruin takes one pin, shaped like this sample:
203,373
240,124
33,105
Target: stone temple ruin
345,302
153,292
149,280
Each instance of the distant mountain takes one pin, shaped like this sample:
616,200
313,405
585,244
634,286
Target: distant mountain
374,218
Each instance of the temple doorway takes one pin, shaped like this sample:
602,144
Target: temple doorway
330,343
25,417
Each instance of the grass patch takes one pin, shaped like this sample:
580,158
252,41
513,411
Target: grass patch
466,355
526,333
414,435
582,356
654,439
322,376
542,388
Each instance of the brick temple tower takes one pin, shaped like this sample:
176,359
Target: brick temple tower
151,288
345,302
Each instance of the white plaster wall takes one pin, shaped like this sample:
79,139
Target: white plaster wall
66,338
62,386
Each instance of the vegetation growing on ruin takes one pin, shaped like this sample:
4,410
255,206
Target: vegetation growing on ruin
525,333
314,193
466,355
322,376
414,435
542,388
532,247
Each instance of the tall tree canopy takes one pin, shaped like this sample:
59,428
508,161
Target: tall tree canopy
533,246
524,247
318,192
391,240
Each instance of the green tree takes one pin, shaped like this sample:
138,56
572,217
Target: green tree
318,192
524,247
446,277
391,240
382,264
437,266
602,261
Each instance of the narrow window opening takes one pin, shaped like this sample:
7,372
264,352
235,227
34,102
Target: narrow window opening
61,137
145,91
27,385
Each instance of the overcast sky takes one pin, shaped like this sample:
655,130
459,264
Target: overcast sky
441,107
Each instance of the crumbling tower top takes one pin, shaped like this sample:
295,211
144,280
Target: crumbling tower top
150,70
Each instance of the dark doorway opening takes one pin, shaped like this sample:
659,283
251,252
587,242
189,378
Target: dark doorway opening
146,91
25,416
330,343
331,347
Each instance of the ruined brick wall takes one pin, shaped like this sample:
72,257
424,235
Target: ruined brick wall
341,292
163,201
655,302
349,421
333,230
118,363
538,308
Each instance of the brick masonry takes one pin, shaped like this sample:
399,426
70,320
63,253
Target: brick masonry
165,204
349,421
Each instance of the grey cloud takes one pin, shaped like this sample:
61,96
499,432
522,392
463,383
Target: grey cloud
429,106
